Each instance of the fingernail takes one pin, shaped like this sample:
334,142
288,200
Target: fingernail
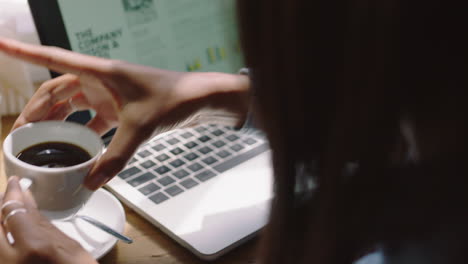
96,181
12,178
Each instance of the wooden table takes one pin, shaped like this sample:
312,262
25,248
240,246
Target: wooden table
150,245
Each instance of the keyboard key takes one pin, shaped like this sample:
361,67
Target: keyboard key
237,147
204,138
177,163
132,160
144,153
181,174
161,170
250,141
260,133
174,190
205,175
200,129
166,181
209,160
173,141
236,160
205,150
190,145
188,183
149,188
158,198
219,143
147,164
129,172
162,157
191,156
141,179
195,167
217,132
158,147
177,151
223,154
232,137
187,135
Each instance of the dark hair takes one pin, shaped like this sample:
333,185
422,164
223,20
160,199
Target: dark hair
334,80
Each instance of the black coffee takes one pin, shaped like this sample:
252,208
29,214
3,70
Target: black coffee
54,155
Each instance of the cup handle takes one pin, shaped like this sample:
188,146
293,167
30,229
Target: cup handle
25,183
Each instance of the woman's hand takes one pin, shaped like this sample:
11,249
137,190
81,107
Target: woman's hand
139,100
36,240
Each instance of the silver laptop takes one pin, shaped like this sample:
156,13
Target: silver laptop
208,187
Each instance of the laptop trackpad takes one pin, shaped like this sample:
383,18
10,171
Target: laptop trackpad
226,209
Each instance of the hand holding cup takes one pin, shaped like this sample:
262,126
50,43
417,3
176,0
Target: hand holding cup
57,184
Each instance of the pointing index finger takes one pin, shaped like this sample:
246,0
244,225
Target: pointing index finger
122,147
57,59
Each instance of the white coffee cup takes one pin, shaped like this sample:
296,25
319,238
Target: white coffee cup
59,192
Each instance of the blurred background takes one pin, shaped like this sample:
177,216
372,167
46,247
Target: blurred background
18,80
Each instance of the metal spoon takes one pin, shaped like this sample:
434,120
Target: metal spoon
105,228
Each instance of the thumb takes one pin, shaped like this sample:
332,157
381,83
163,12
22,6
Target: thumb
122,147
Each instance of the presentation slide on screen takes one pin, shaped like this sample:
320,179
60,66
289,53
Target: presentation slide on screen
182,35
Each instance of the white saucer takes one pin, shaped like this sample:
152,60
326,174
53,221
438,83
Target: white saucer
102,206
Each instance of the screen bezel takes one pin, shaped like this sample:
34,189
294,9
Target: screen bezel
49,25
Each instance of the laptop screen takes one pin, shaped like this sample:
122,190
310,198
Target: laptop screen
181,35
177,35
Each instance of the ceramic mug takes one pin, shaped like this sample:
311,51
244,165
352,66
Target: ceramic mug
59,192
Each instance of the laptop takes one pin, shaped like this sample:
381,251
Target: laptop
208,187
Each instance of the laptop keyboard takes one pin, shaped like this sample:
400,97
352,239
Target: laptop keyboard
186,158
